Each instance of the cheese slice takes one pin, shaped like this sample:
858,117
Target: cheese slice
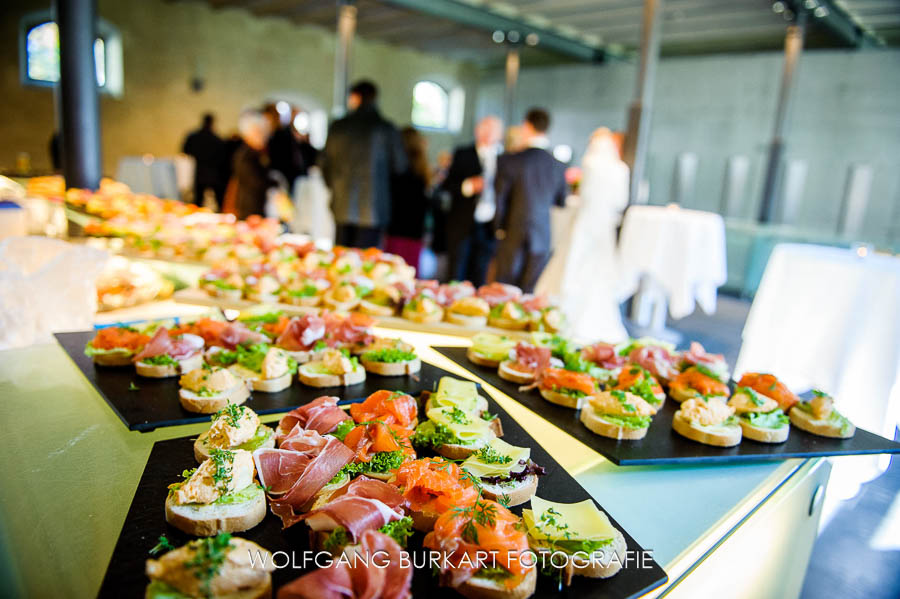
454,392
473,428
582,521
516,454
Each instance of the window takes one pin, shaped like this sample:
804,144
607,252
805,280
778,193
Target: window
434,108
39,53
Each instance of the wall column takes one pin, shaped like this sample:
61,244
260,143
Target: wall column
512,79
635,151
793,48
346,29
79,105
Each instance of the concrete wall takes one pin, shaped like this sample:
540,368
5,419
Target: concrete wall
244,60
845,110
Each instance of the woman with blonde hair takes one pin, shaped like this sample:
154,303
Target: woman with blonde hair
409,200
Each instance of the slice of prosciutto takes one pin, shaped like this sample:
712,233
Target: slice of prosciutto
164,344
378,573
604,355
531,358
321,415
497,293
657,360
449,293
302,333
534,302
365,504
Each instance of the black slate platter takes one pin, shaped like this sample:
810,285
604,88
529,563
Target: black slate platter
662,445
146,521
155,402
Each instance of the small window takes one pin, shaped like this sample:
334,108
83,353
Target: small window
431,105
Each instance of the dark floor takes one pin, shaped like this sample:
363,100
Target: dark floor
843,565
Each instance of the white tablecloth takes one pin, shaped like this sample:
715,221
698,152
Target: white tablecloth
681,251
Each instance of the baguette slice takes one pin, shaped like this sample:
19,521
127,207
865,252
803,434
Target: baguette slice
561,399
201,447
764,435
426,318
508,323
823,428
597,424
455,451
727,437
211,519
263,298
373,309
314,379
272,385
300,356
230,294
392,368
480,359
488,588
262,591
161,372
116,357
601,564
192,402
507,372
337,306
518,494
309,301
423,521
465,320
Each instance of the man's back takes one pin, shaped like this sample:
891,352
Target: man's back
206,149
361,154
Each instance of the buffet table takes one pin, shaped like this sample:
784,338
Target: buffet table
72,469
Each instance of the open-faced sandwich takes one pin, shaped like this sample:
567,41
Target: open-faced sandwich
423,308
550,319
524,363
565,387
166,355
332,368
708,420
770,386
380,439
697,356
265,368
489,350
759,416
606,357
509,315
458,423
227,285
505,472
209,389
220,495
452,392
233,427
617,414
116,346
697,381
469,312
818,416
657,357
592,545
481,546
219,567
637,380
383,300
431,487
264,287
264,319
390,357
300,336
305,292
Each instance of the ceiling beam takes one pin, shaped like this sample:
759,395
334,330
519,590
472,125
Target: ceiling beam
473,16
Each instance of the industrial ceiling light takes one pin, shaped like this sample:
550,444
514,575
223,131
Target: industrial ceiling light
810,4
532,39
821,12
778,7
514,36
498,36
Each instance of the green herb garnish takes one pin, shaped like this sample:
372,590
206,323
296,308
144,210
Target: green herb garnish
489,455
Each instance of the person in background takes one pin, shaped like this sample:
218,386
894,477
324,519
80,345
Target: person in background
309,155
470,184
527,184
250,182
362,153
206,148
406,231
283,148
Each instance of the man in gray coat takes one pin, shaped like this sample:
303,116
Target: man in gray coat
527,184
363,152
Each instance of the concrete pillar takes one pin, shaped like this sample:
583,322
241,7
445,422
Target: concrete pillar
512,79
79,105
346,29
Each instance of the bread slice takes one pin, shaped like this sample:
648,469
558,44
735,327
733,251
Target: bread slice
272,385
314,379
192,402
337,306
392,368
597,424
601,564
725,437
823,428
518,493
201,447
465,320
116,357
427,318
507,372
489,588
561,399
153,371
764,435
310,301
423,521
455,451
230,294
508,323
680,394
262,591
373,309
211,519
300,356
481,360
263,298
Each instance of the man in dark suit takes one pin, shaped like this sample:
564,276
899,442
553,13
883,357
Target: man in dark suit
528,183
206,148
362,153
470,184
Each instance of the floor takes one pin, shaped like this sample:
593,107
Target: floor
857,554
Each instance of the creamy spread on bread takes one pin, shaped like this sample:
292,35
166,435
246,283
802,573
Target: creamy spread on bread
335,362
223,473
232,426
471,306
512,311
185,570
426,305
210,379
744,401
620,403
822,406
275,364
710,412
343,293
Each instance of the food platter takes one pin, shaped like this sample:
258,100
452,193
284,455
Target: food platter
662,445
154,402
146,521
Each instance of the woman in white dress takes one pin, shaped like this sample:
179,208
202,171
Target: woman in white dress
583,273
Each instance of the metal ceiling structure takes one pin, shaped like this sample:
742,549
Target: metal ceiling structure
590,30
